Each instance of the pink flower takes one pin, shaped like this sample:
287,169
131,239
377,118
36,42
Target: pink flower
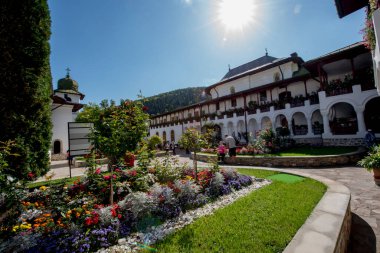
106,177
97,171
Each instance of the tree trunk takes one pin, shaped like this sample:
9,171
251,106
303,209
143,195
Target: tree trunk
195,166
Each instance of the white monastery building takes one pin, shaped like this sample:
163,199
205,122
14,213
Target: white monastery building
329,100
65,107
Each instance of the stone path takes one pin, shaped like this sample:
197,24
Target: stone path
365,200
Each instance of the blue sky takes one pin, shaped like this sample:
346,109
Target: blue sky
117,48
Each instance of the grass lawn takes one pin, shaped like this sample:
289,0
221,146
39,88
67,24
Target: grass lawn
306,151
61,181
263,221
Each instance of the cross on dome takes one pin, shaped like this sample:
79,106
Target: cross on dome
68,72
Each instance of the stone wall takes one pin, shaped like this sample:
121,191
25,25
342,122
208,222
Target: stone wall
294,161
344,142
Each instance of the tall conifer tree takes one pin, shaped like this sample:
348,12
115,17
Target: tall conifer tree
25,84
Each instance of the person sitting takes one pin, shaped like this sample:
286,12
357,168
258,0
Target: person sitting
370,138
221,151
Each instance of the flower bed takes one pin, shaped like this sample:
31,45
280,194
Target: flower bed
79,219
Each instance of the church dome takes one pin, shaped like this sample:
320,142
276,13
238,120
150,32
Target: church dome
67,84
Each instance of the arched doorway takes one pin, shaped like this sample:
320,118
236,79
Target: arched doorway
299,124
252,128
57,147
317,122
343,119
172,136
372,115
230,128
164,136
281,125
241,134
266,123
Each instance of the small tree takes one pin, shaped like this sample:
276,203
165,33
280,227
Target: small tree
118,130
153,141
193,140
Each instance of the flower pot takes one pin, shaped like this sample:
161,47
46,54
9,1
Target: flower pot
376,176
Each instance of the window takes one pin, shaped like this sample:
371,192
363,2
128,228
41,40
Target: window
233,102
217,106
284,95
57,147
263,96
276,77
232,89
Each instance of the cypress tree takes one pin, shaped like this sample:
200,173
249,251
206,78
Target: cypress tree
25,85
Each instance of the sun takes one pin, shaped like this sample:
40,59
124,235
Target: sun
236,14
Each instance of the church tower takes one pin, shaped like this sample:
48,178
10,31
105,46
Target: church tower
65,107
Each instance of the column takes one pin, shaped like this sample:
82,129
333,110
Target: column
361,125
309,126
326,123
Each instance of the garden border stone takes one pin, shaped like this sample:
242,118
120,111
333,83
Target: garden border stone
289,161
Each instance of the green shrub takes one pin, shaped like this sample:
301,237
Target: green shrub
26,85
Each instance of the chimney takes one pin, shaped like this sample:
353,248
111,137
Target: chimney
294,55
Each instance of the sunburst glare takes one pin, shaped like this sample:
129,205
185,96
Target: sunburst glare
236,14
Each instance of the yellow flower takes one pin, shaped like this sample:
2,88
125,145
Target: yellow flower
43,188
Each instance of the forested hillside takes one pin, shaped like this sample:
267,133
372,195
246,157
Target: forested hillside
168,101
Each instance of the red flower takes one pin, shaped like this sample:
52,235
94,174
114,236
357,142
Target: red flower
88,221
30,175
145,108
132,173
97,171
119,216
106,177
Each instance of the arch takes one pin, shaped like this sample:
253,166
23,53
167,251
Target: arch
281,121
241,133
343,120
157,134
241,126
172,136
266,123
230,128
281,125
164,136
57,147
317,122
253,128
299,123
372,114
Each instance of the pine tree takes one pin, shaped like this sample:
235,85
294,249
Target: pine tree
25,84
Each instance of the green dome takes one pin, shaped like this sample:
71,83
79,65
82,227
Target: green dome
67,84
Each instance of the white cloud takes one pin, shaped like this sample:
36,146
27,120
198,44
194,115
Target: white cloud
297,9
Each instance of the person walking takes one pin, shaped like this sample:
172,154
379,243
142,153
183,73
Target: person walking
173,148
231,145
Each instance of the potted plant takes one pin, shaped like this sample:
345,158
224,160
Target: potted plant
372,163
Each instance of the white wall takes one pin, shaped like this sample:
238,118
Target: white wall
61,116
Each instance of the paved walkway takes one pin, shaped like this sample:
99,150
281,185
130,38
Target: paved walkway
365,199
